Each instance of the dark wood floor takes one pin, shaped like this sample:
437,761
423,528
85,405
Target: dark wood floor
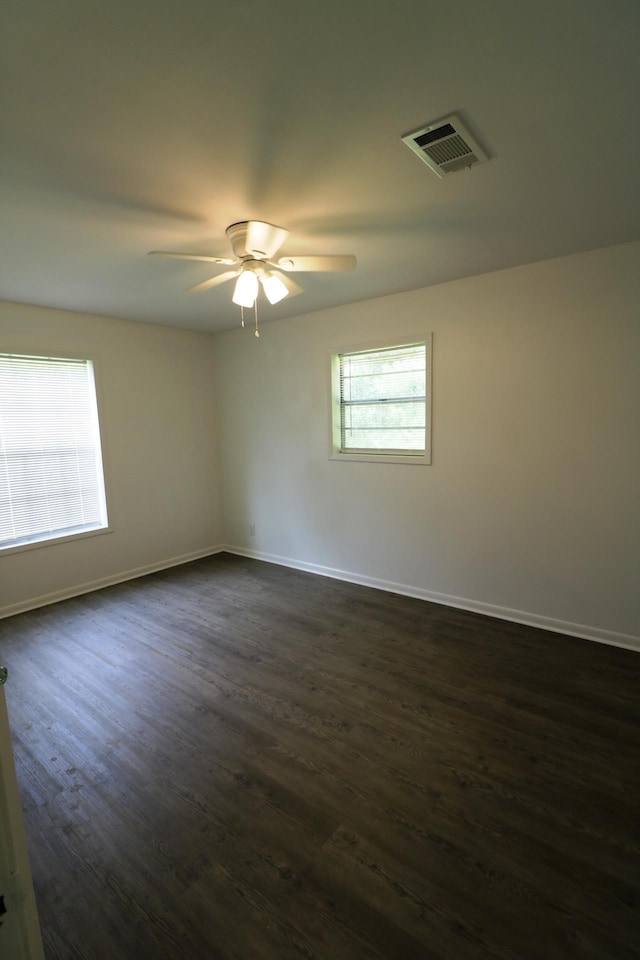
231,760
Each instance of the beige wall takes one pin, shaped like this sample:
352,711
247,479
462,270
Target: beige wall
158,420
531,508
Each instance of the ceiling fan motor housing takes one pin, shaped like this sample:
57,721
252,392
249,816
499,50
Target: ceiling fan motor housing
237,234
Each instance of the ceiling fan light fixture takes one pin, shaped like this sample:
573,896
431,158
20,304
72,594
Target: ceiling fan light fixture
255,243
246,289
274,288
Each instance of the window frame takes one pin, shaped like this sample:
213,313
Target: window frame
335,451
53,538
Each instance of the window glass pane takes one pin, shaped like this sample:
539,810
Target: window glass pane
51,481
383,400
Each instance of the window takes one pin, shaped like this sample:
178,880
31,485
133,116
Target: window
380,405
51,481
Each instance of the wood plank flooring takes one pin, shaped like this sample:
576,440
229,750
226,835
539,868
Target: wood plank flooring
231,760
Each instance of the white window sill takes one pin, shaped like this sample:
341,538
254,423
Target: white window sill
52,539
416,460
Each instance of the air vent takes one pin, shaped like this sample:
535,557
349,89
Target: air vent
445,145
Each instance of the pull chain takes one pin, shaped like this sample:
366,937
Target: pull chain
255,310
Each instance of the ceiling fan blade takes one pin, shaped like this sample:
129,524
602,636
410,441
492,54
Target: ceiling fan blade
214,281
291,285
264,239
190,256
343,263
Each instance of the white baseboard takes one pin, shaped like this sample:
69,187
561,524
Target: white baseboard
43,601
583,631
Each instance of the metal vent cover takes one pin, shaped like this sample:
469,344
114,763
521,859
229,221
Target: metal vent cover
445,145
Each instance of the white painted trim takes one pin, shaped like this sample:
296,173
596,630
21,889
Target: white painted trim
89,587
584,631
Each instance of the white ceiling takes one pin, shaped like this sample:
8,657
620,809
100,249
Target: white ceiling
149,124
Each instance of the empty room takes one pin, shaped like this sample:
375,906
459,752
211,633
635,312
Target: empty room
319,481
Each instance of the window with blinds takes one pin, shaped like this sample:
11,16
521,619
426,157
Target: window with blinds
51,479
380,403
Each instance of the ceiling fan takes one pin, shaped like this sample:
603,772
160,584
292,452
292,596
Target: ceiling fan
255,244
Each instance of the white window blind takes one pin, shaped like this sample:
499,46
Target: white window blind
383,407
51,481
